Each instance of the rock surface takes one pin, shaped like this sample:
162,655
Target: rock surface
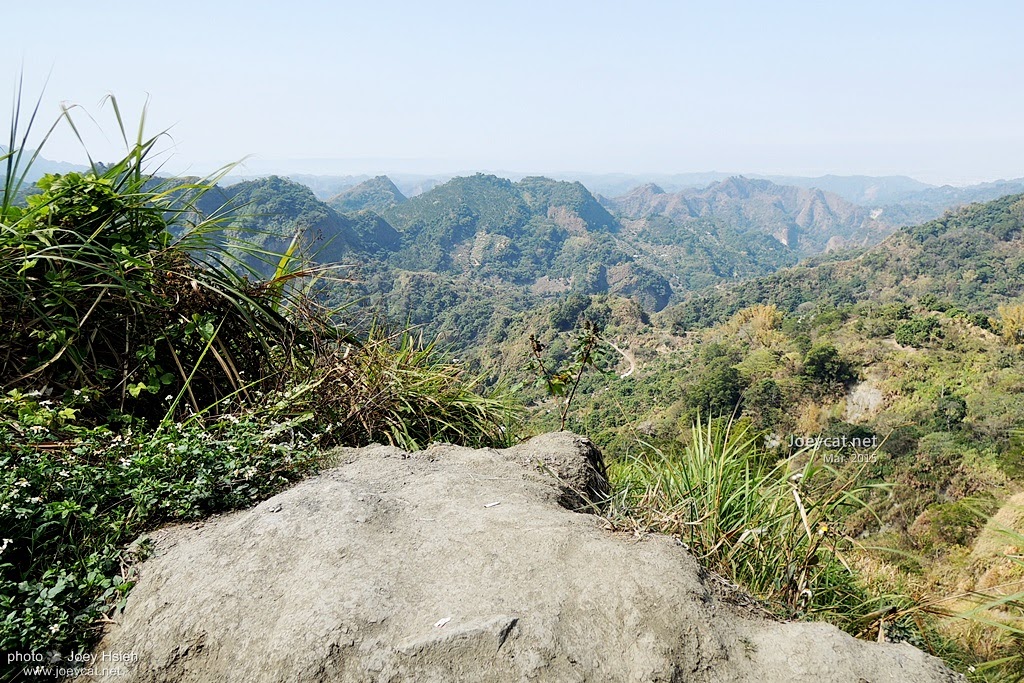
455,564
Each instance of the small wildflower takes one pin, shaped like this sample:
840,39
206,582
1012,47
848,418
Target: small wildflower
54,628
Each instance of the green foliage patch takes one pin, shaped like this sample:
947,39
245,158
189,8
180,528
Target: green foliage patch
73,500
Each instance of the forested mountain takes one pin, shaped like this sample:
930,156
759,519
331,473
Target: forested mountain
41,166
377,194
931,202
806,220
538,238
973,257
516,232
270,212
858,189
904,199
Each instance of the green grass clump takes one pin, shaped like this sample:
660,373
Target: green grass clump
394,389
98,293
777,532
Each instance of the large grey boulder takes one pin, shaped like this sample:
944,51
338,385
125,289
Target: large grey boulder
454,564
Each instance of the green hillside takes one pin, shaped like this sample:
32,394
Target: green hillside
913,349
376,194
807,220
971,258
268,213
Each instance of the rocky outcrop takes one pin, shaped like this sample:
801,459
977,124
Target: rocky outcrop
454,564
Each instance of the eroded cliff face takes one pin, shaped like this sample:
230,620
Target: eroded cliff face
454,564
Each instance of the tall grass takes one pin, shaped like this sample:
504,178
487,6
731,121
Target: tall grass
775,529
392,388
999,614
108,286
115,283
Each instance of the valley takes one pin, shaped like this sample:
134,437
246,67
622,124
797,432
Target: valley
789,312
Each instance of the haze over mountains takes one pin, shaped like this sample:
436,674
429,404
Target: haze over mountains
541,237
461,256
805,220
907,200
859,189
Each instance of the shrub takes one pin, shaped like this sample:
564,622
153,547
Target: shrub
568,312
764,402
950,523
719,391
96,293
950,411
395,389
1011,324
72,499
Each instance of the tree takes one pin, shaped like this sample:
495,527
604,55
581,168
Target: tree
1011,324
763,401
950,411
718,392
918,331
824,366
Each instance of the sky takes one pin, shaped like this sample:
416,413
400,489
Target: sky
934,90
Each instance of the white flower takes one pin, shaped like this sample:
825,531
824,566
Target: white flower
6,542
22,483
54,628
35,499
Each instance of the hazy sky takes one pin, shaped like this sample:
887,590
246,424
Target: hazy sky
930,89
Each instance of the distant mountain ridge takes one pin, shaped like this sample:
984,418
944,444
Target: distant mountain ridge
807,220
41,166
376,194
539,237
859,189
